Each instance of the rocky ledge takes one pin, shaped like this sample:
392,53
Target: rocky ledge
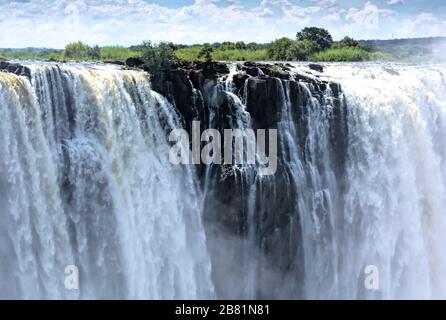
258,83
15,68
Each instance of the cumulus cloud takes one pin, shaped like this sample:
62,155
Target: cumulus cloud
393,2
368,17
332,17
426,22
54,23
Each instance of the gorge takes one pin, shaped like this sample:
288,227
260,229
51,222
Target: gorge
85,180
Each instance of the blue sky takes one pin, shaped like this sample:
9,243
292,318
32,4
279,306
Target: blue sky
53,23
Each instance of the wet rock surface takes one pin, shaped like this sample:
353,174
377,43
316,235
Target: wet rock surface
198,91
15,68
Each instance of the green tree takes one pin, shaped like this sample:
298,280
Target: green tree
253,46
156,60
302,50
81,51
206,52
77,50
227,46
156,57
348,42
320,36
286,49
240,45
280,49
94,53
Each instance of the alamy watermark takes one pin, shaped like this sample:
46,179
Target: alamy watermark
371,280
240,146
71,277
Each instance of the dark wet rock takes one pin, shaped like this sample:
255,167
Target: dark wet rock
239,81
253,71
277,70
265,101
15,68
134,62
117,62
392,71
335,88
195,88
188,84
182,93
316,67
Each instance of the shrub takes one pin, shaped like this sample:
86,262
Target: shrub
285,49
348,42
117,53
156,57
156,60
81,51
240,45
281,49
342,54
206,52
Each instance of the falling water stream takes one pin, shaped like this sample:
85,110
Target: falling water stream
85,180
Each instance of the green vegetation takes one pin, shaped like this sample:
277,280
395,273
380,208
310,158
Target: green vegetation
321,38
311,44
117,53
226,51
206,52
342,54
80,51
316,44
285,49
30,53
76,51
347,49
156,58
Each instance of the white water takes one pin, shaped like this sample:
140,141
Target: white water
102,197
85,180
395,205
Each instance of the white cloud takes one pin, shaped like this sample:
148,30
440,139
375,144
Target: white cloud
332,17
369,17
54,23
394,2
425,24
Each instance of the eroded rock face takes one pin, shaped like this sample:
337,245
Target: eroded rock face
265,101
263,89
134,62
316,67
15,68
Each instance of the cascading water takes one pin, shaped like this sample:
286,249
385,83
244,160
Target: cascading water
395,207
85,180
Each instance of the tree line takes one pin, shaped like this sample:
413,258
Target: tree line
311,43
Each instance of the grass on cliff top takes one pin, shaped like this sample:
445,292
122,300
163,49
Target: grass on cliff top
117,53
347,54
191,53
107,53
27,54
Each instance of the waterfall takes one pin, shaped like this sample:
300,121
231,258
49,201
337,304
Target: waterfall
395,206
85,180
380,205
